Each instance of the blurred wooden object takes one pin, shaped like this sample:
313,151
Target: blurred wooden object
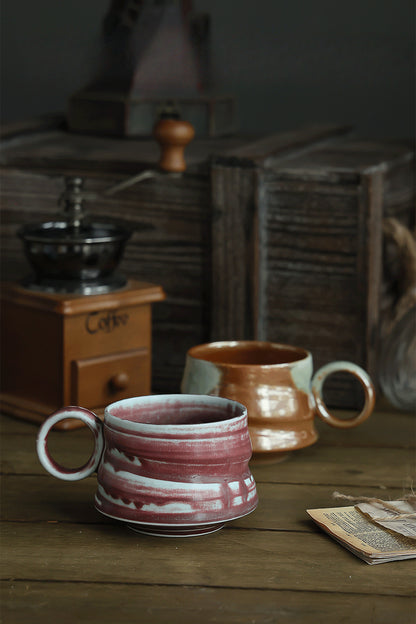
305,266
170,217
74,350
277,239
153,55
397,371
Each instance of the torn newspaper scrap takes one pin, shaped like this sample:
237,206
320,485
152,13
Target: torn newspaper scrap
397,516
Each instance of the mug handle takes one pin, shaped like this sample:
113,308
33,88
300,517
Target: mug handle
68,474
363,378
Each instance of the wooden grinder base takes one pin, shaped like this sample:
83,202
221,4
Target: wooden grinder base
60,350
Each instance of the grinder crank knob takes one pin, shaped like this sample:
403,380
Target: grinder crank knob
173,135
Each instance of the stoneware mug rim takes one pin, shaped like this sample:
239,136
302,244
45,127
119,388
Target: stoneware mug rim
113,421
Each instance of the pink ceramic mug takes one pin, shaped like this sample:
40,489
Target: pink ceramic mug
167,464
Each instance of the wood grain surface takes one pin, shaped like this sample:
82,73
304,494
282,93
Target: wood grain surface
61,558
170,218
307,254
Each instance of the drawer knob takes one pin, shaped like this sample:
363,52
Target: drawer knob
120,381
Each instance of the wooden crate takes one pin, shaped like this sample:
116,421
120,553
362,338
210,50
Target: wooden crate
305,263
171,218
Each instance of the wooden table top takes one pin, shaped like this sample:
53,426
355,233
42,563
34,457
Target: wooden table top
62,561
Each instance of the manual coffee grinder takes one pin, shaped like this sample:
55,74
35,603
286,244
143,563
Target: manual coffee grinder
77,332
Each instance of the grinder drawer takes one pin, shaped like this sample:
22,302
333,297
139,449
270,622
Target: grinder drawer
97,381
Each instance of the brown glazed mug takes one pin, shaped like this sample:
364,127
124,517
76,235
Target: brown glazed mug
276,384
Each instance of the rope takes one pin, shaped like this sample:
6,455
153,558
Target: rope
399,515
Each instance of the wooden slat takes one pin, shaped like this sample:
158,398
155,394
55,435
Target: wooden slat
233,258
18,453
27,127
342,467
53,150
349,155
386,428
316,256
39,602
281,506
48,500
315,465
284,143
228,558
9,425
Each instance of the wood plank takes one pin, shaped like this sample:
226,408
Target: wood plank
386,428
27,127
337,466
281,144
342,467
229,558
315,465
18,453
316,256
281,506
54,150
233,293
10,425
107,603
350,155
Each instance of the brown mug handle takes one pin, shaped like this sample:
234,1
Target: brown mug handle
322,410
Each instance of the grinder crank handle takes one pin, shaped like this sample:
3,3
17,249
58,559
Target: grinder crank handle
173,135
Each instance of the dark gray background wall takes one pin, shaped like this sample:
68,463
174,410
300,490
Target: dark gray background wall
287,62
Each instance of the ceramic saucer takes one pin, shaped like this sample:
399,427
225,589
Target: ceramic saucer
174,530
